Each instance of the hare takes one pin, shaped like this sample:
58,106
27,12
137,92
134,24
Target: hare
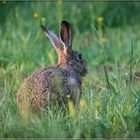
56,82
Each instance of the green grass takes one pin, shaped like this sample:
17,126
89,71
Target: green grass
111,100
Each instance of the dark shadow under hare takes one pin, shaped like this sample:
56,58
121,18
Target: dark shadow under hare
56,82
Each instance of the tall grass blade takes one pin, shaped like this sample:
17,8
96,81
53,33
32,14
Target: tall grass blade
131,62
107,79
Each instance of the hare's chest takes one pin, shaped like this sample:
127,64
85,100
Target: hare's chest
72,82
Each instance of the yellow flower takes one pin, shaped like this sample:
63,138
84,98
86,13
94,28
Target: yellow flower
35,15
72,112
68,96
100,19
43,19
97,104
82,103
59,1
4,1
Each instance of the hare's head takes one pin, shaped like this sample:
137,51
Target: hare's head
66,55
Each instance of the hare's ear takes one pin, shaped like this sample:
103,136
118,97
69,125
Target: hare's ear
54,39
65,35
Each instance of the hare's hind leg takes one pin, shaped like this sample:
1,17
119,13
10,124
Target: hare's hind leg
26,112
19,105
23,108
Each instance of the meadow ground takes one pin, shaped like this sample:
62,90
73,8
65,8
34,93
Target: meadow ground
110,106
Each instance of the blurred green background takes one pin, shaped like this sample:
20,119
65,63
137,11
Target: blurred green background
116,14
107,34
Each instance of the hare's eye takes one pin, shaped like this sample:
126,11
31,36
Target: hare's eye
79,56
